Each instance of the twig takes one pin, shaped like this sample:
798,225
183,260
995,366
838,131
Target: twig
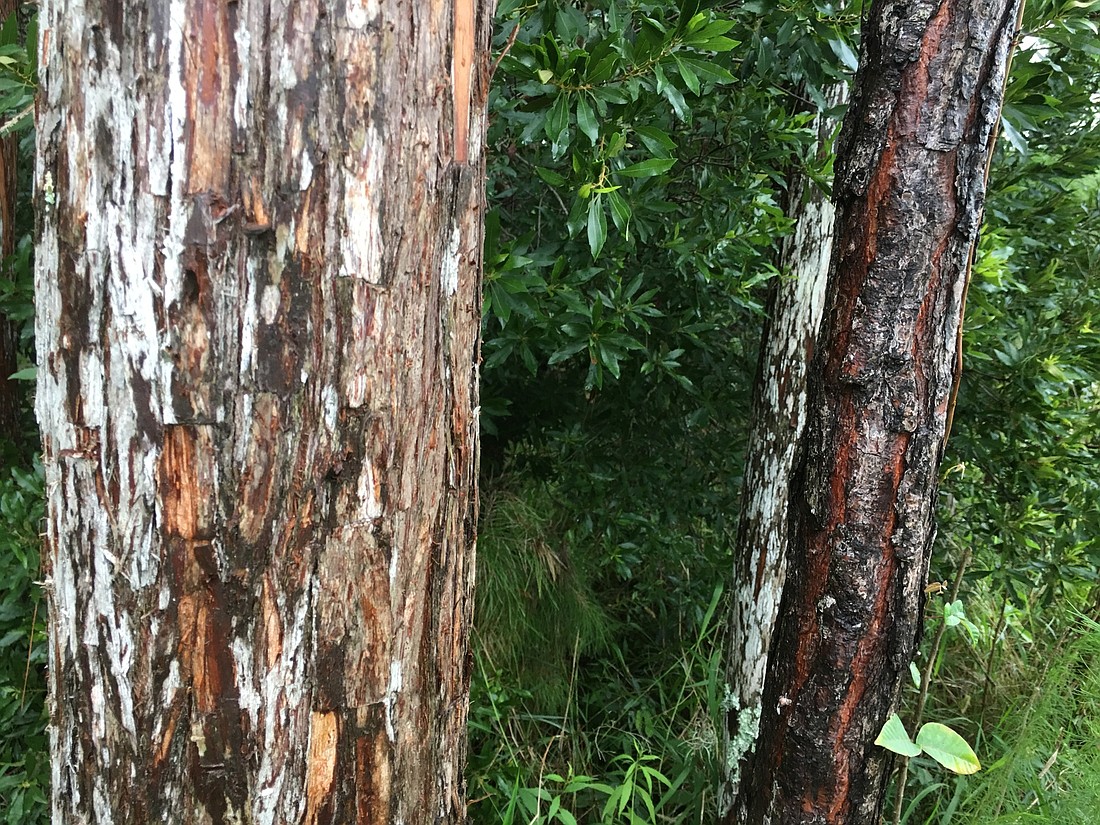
30,650
11,124
507,48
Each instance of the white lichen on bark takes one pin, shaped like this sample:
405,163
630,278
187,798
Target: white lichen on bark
779,414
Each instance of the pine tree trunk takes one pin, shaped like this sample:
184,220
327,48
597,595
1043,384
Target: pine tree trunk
778,416
910,182
258,279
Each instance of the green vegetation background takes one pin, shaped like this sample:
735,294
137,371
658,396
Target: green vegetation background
639,159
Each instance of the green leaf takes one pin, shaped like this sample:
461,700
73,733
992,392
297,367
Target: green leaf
25,374
705,70
545,75
948,748
679,105
648,168
620,212
586,120
894,737
720,44
558,119
1012,134
915,674
708,32
597,226
603,70
550,176
691,80
568,351
657,142
844,53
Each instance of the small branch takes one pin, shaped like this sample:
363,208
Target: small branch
11,124
507,48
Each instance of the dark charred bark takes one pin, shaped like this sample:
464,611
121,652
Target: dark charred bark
258,279
910,183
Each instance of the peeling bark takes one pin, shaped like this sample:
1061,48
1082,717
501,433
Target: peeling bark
910,183
258,279
778,416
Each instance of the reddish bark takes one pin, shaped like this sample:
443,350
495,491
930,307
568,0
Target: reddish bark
909,192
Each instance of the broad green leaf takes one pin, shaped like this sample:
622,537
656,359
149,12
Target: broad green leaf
679,105
620,211
597,226
690,78
948,748
550,176
586,120
720,44
894,737
603,70
708,32
567,351
648,168
706,70
1018,141
657,142
844,53
558,119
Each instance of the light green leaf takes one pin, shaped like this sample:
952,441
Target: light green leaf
894,737
1018,141
648,168
597,226
711,30
545,75
720,44
844,52
25,374
948,748
915,673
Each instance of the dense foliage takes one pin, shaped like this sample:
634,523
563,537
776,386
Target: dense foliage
637,191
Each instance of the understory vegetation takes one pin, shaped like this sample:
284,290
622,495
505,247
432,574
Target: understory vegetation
639,159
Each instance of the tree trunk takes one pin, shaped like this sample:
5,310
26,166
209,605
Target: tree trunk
910,182
778,416
258,282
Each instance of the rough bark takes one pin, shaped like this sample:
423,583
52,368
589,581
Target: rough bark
258,279
909,192
778,416
10,391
